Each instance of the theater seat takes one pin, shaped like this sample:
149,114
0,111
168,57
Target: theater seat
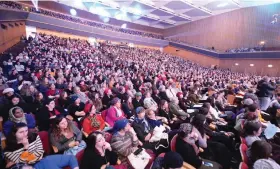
243,165
173,143
243,149
230,99
44,136
243,141
185,165
104,114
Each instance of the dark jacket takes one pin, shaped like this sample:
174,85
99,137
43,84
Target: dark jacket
163,96
137,103
265,90
139,128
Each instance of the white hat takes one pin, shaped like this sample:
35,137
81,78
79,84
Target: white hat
7,90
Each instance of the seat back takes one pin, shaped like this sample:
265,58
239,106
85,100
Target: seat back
104,114
44,136
243,141
243,149
243,165
173,143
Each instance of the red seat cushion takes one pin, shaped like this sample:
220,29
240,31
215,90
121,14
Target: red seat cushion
173,143
44,136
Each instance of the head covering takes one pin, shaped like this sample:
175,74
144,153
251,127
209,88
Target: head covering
248,102
7,90
47,102
139,110
14,119
74,98
186,128
179,93
138,94
106,91
115,100
173,160
119,125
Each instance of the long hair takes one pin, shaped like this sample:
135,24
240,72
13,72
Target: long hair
91,140
198,122
55,128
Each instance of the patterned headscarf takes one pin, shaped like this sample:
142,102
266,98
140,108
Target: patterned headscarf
186,128
14,119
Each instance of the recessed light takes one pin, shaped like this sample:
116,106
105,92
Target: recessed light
252,65
73,12
236,64
222,5
269,65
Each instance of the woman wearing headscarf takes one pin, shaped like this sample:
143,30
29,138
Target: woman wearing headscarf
115,112
76,109
16,115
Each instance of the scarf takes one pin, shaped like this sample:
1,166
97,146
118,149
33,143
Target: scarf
14,119
145,122
94,122
119,112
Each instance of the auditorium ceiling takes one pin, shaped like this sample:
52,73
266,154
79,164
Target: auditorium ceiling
161,13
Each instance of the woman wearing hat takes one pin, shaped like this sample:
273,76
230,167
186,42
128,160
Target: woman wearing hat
115,112
16,115
76,109
187,148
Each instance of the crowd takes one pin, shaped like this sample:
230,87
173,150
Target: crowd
65,102
17,6
243,49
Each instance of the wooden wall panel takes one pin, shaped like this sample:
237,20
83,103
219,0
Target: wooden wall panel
11,35
244,27
195,57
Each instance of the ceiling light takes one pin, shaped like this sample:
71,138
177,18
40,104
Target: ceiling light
123,26
269,65
251,65
262,42
236,64
222,5
106,19
73,12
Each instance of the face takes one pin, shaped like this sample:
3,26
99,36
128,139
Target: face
100,141
51,105
152,115
192,137
63,124
15,101
127,127
118,104
78,101
52,86
259,132
138,97
31,88
109,92
18,113
141,115
40,96
20,78
129,99
93,111
22,133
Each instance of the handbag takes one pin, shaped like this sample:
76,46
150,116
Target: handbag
139,161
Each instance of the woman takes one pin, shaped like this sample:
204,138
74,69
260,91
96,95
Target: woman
23,147
93,122
261,153
252,131
25,150
115,112
38,103
63,101
76,109
69,89
164,112
187,148
28,93
97,102
16,115
99,150
66,137
52,92
127,107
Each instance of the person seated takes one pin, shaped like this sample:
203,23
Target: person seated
115,112
149,102
182,101
52,92
177,111
93,122
38,103
138,101
65,137
81,95
261,155
46,114
63,101
22,146
128,107
170,160
101,151
18,116
54,162
164,111
187,148
76,109
107,98
124,140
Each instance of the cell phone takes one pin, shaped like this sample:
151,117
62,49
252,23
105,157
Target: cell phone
208,164
138,151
